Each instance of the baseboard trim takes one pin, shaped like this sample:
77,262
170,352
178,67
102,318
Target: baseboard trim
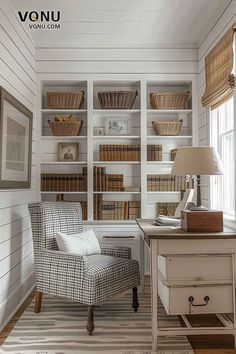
19,304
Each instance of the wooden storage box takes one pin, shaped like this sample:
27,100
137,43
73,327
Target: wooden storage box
202,221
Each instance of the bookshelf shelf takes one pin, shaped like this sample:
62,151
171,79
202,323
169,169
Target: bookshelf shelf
169,111
111,137
117,192
58,192
64,137
141,141
116,162
65,111
64,163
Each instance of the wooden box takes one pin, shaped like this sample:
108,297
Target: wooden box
202,221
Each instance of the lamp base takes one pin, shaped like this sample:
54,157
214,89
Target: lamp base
198,208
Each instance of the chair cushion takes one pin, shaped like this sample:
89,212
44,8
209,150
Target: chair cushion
107,276
83,244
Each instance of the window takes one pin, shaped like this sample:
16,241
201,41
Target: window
222,138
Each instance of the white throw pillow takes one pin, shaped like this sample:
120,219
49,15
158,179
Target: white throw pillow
84,243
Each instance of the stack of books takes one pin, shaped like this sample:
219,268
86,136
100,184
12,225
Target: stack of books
119,152
115,210
154,153
166,182
64,182
163,220
166,208
107,182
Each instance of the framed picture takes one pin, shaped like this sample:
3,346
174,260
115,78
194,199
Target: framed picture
68,152
117,126
15,142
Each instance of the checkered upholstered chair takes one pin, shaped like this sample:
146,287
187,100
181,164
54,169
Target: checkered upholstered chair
86,279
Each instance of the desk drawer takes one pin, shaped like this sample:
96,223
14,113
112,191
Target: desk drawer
195,267
176,299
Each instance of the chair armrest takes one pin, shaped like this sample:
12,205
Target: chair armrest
60,258
116,251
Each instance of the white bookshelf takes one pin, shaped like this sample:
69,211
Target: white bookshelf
141,115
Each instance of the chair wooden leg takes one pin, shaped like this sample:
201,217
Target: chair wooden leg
135,303
38,301
90,323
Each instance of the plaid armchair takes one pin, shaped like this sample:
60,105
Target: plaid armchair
86,279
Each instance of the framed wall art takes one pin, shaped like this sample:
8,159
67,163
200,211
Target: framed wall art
117,126
68,152
15,143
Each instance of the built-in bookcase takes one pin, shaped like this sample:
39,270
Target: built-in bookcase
94,118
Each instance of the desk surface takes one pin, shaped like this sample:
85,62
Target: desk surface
152,231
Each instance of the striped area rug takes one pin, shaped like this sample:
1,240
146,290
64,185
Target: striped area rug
60,329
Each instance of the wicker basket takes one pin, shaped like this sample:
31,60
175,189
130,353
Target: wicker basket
167,128
173,153
117,99
170,100
69,128
65,100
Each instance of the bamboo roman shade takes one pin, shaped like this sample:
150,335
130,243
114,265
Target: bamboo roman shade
218,72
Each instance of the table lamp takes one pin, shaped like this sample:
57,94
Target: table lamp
197,161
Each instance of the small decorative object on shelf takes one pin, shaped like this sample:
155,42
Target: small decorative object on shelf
65,126
117,126
154,153
119,152
100,131
202,221
117,99
172,128
173,153
169,100
68,152
65,100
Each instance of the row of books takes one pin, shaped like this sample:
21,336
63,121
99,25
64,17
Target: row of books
154,152
115,210
119,152
166,208
166,182
107,182
63,182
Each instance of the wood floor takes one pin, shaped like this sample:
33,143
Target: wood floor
208,344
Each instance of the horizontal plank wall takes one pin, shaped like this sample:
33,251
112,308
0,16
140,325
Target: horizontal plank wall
227,19
17,75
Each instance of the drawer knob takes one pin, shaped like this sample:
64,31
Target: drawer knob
191,301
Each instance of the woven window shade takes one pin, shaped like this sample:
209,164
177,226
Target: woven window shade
218,72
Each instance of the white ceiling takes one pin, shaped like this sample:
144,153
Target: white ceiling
125,23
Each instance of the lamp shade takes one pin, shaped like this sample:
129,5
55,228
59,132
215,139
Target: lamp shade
200,160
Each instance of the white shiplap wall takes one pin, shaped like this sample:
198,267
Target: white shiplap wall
227,19
17,75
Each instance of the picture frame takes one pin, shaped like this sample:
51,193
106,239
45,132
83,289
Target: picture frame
117,126
15,143
68,152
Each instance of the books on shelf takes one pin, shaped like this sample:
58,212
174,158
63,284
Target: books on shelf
111,152
64,182
166,183
167,208
115,210
154,152
107,182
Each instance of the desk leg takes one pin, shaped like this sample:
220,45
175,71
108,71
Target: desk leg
233,288
154,293
142,264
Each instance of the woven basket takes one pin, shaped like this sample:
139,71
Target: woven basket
173,153
167,128
65,100
170,100
69,128
117,99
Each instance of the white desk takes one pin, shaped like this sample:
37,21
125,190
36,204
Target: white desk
175,241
